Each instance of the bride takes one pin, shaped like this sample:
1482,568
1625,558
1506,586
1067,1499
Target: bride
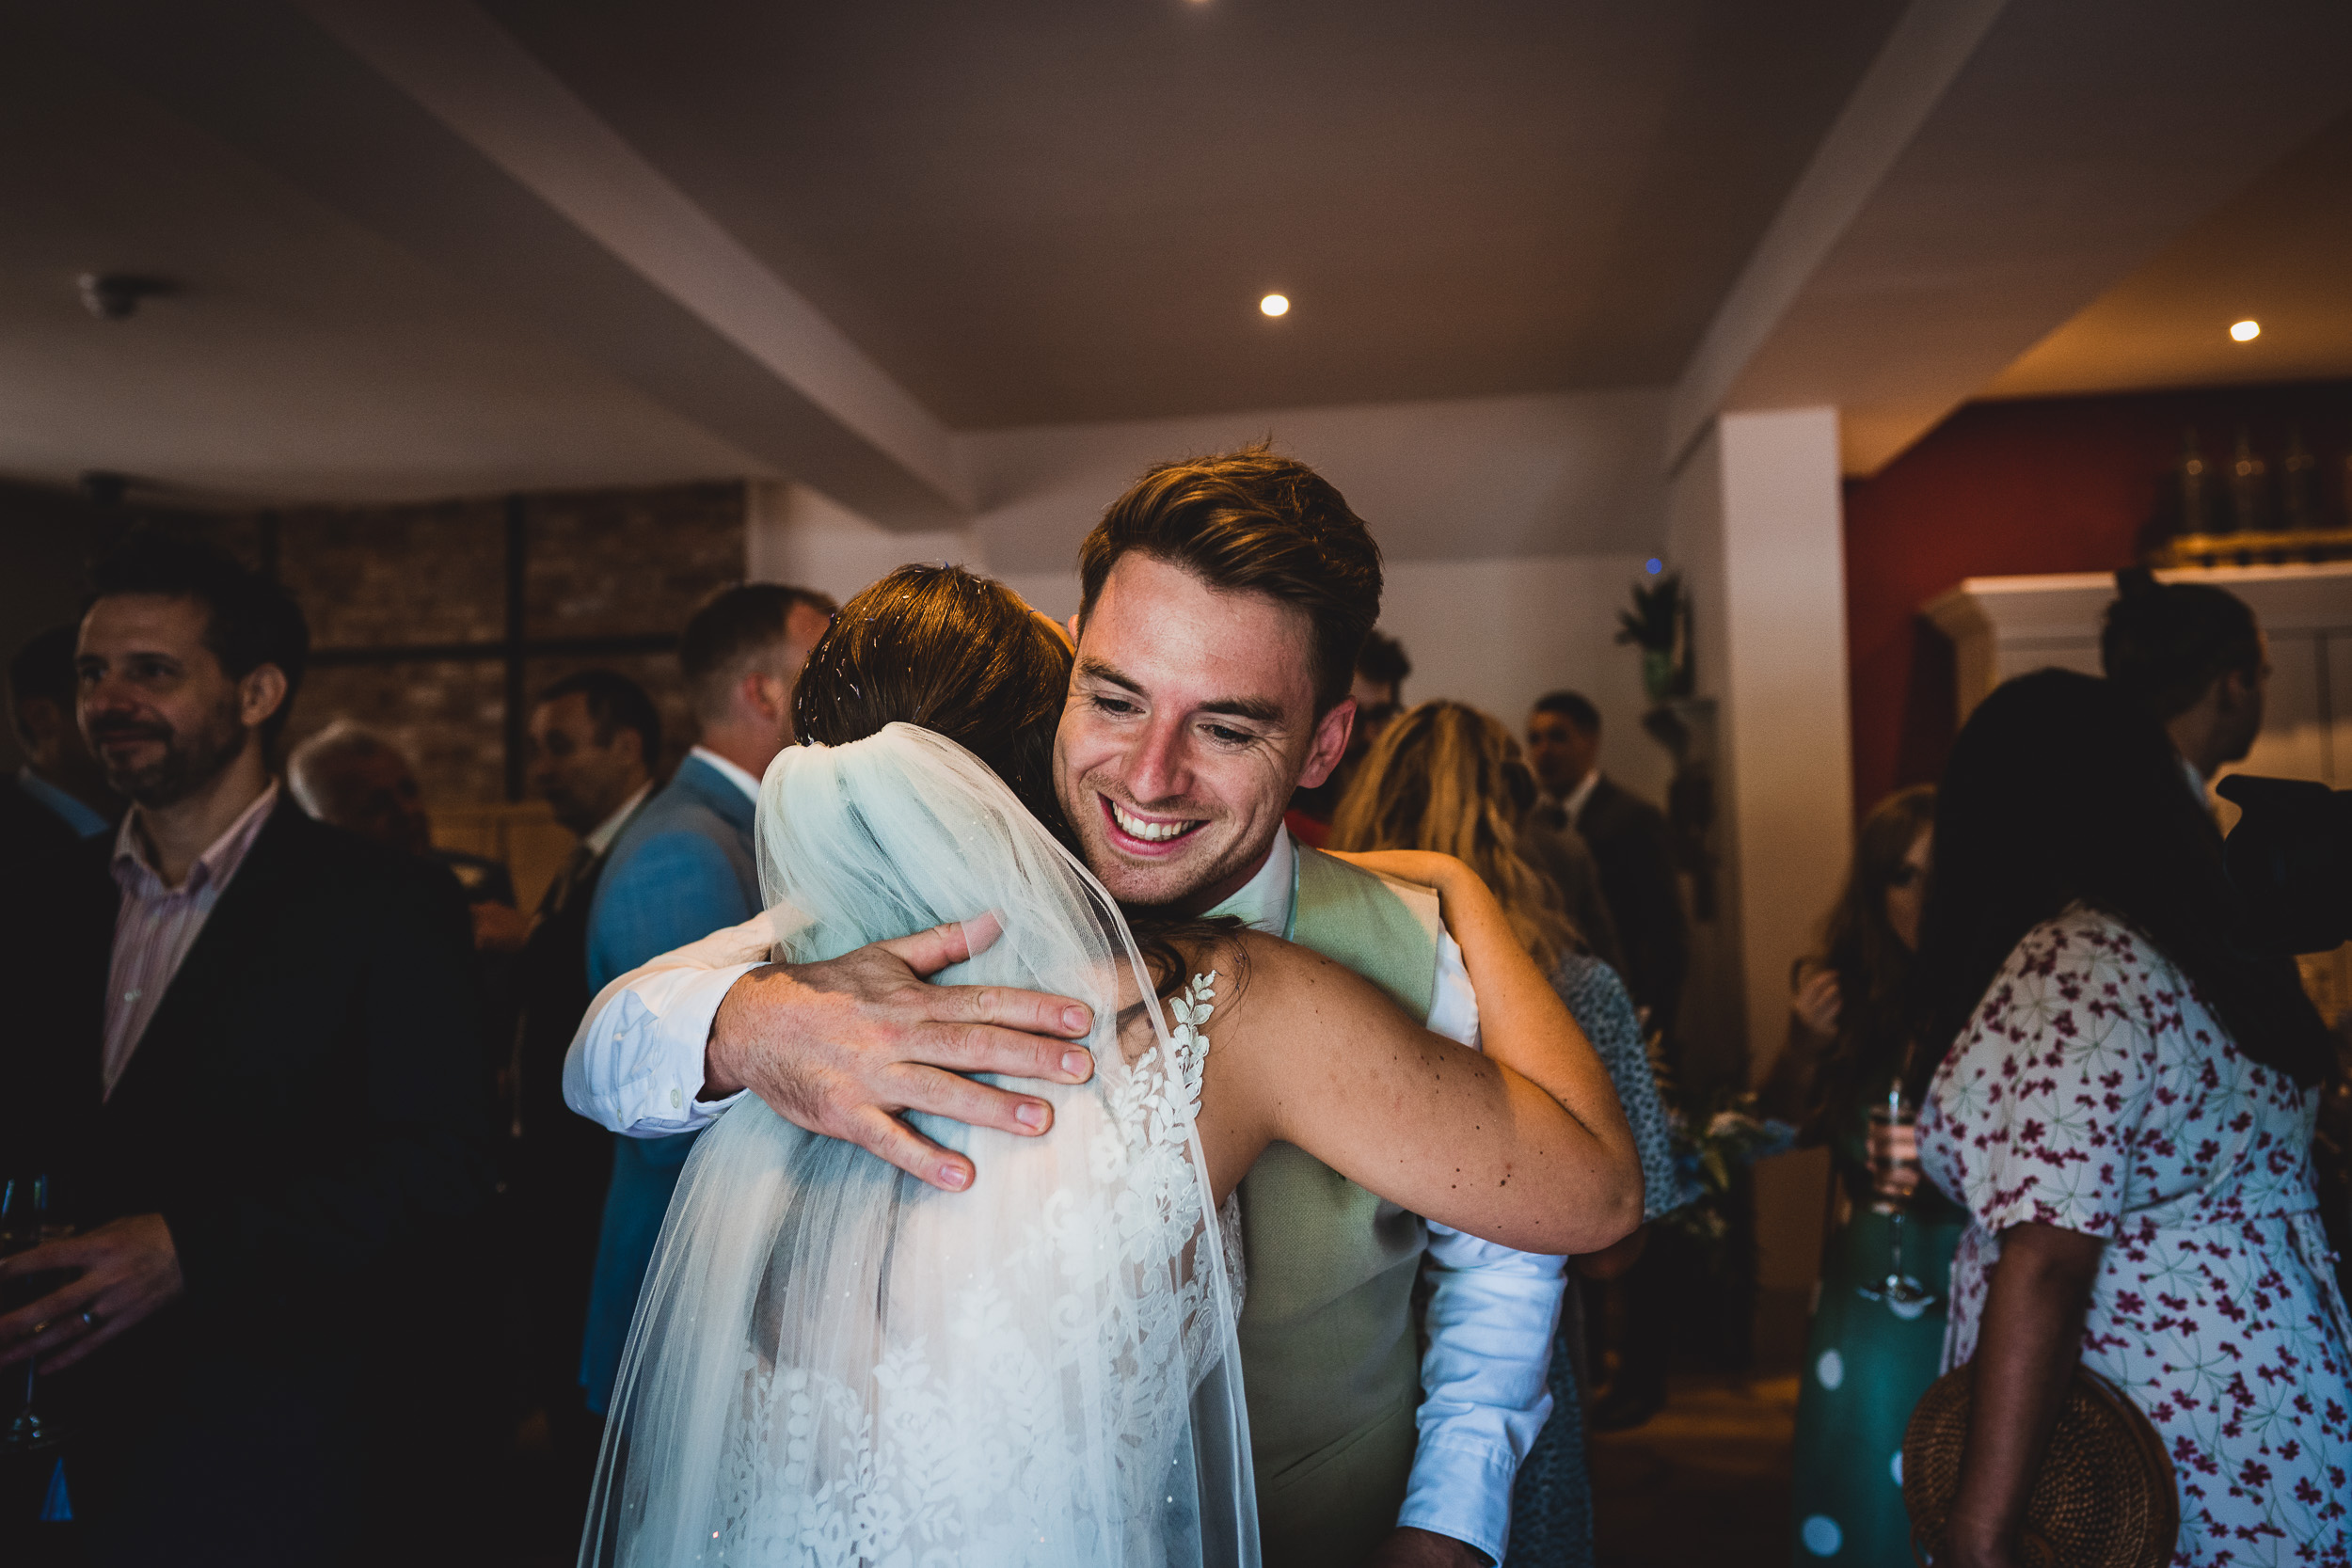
833,1363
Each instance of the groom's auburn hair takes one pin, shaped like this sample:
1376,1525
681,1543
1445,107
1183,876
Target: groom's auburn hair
1249,522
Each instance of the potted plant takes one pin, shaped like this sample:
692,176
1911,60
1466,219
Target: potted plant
1659,625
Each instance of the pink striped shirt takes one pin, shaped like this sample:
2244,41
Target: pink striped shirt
157,925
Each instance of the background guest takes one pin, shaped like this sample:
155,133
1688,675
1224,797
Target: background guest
2191,657
2124,1104
245,1044
683,870
1868,1360
356,780
1633,853
1439,778
593,737
1562,856
1379,693
1631,845
61,794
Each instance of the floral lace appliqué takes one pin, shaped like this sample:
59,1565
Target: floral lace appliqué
922,1469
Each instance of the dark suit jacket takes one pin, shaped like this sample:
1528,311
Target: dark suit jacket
1560,853
1634,854
563,1161
29,830
305,1112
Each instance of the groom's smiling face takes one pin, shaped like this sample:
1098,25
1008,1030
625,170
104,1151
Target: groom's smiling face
1191,717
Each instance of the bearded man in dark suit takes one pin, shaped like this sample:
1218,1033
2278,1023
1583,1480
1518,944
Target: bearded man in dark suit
246,1047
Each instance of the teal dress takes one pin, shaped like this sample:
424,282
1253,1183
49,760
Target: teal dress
1865,1367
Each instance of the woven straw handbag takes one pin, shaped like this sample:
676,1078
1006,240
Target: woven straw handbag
2106,1496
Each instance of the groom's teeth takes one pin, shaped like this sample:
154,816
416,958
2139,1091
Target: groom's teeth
1151,833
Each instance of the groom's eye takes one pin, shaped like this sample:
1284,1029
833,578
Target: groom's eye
1226,734
1119,707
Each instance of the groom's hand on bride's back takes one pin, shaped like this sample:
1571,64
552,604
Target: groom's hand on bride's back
843,1046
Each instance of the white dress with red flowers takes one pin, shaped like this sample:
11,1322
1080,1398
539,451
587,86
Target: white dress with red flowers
2092,1090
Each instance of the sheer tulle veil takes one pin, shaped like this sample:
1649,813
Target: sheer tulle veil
834,1364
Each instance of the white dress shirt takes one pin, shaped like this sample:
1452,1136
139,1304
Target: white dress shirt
636,1066
600,837
1573,805
157,922
738,777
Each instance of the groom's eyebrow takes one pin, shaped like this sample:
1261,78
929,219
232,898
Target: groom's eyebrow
1094,669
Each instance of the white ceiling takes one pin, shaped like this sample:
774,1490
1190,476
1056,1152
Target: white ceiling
442,246
308,357
1066,210
2280,254
1050,210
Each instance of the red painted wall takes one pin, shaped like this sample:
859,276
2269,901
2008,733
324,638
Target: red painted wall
2057,484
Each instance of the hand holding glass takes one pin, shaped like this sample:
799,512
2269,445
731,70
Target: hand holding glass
26,1220
1894,1151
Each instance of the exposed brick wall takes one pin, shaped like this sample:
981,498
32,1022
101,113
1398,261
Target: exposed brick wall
609,562
599,564
446,716
393,574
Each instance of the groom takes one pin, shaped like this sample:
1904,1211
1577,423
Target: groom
1224,603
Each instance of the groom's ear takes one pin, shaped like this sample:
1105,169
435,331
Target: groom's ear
1330,744
1074,628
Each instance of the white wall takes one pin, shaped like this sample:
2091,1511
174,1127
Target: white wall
1513,528
793,535
1498,634
1571,473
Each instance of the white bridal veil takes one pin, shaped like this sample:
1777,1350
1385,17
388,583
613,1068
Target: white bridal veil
834,1364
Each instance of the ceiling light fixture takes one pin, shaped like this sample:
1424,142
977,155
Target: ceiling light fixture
1275,305
113,296
2247,331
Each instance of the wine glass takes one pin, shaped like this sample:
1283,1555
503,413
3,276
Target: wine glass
28,1218
1904,1295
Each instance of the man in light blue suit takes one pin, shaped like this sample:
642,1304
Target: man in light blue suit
683,868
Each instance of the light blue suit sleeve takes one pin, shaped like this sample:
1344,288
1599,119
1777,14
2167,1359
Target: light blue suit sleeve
674,888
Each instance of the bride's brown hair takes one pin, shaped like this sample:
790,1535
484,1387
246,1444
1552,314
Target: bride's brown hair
965,658
960,656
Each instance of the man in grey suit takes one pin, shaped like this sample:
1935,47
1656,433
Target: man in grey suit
685,867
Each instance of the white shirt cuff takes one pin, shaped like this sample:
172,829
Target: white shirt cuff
1462,1490
637,1064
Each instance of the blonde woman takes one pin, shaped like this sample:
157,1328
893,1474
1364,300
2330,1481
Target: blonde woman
1441,777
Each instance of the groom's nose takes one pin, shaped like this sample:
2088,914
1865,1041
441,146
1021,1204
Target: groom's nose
1158,768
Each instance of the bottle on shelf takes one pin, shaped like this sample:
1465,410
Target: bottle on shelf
2298,483
2195,480
2249,487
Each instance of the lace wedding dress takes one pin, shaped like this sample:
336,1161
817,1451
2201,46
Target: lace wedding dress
833,1364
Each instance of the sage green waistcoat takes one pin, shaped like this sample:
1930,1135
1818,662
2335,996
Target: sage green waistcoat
1328,1346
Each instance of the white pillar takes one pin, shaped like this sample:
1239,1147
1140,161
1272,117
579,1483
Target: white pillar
1754,525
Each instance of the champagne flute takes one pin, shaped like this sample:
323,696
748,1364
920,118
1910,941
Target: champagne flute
1904,1295
26,1220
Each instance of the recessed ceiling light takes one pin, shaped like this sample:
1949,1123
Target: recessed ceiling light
2247,331
1275,305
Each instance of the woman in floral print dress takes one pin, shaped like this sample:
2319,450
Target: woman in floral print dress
2126,1113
